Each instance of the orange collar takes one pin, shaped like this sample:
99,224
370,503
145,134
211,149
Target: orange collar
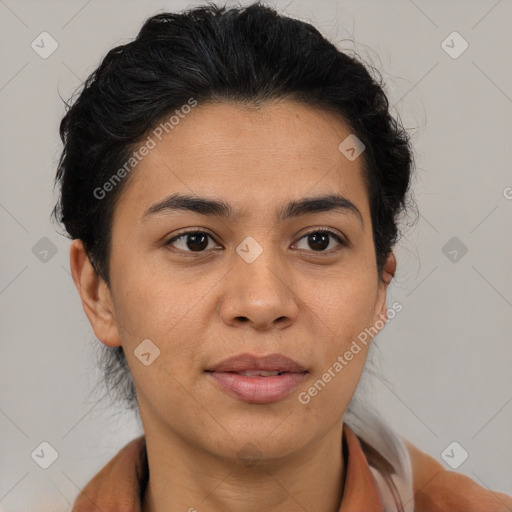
360,491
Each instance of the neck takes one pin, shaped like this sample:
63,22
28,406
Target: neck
184,479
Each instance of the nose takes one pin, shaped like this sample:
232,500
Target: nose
259,295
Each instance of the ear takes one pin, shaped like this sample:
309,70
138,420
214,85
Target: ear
95,295
388,271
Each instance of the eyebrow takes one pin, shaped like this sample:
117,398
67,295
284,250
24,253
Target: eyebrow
218,208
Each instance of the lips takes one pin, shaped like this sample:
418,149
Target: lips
256,379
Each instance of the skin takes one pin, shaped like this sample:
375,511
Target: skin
200,307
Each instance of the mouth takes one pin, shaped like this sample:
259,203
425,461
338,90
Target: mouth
258,379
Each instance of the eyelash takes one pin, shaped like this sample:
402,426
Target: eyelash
340,240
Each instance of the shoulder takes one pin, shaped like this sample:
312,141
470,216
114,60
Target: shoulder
118,485
437,489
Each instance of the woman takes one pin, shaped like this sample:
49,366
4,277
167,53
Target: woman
231,182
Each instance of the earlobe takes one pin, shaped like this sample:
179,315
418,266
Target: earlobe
94,294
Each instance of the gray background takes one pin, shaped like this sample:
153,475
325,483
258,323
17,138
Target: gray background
443,362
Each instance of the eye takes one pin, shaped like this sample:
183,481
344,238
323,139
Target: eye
320,240
191,241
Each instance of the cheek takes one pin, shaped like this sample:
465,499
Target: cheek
149,299
156,311
157,306
341,305
341,347
341,311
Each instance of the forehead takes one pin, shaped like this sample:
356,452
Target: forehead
256,159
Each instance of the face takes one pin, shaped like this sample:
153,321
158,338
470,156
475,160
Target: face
258,277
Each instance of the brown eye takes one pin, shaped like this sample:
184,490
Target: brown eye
193,241
320,240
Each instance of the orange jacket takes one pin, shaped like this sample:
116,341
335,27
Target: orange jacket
120,484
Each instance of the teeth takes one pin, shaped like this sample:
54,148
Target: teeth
254,373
